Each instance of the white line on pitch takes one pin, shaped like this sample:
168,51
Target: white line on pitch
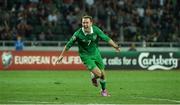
160,99
34,102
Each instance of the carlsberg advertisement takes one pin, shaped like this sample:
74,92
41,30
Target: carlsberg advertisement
142,60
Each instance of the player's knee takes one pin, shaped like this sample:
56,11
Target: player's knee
97,75
97,72
100,75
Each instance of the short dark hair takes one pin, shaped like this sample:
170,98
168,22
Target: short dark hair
87,17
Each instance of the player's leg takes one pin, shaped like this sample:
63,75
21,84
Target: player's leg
104,91
102,80
95,74
99,63
95,66
100,74
94,79
94,70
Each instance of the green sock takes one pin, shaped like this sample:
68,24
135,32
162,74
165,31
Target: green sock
103,84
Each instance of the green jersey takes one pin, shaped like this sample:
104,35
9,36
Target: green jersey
87,43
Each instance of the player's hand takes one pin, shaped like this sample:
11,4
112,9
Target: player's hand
59,59
117,49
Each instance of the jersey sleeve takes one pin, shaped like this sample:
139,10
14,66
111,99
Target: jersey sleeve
71,41
102,35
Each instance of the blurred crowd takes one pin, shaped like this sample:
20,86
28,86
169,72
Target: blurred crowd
122,20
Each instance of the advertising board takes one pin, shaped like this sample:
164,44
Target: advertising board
46,60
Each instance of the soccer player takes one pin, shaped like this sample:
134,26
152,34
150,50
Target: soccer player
87,38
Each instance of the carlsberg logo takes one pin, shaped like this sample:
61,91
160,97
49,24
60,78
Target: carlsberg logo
157,62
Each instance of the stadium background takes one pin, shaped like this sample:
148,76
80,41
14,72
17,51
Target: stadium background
141,27
123,20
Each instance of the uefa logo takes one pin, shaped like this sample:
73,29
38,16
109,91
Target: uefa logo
6,59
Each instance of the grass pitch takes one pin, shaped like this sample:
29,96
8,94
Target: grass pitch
74,87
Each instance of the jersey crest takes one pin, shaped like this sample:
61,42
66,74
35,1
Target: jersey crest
94,37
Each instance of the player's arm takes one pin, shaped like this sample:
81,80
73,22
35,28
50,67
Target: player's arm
107,39
66,48
114,45
61,55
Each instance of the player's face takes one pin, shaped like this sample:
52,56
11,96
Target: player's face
86,23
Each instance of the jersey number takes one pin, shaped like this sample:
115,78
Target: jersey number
89,41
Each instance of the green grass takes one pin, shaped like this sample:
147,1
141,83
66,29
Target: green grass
74,87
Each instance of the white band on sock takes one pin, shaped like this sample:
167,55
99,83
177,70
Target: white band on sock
102,80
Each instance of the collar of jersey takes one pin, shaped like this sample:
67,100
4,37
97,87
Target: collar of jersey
85,33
